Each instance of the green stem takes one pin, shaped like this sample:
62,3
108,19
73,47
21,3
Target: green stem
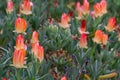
82,52
42,76
18,74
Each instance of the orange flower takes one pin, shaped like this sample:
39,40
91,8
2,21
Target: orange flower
20,25
83,41
104,39
82,29
26,7
78,6
79,12
98,36
35,47
19,58
111,24
10,6
20,42
82,9
98,10
103,4
65,21
40,55
64,78
85,7
35,37
38,51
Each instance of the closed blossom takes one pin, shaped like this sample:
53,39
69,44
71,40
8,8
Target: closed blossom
19,58
104,39
82,28
10,6
26,7
85,8
20,42
65,18
111,25
97,10
98,36
38,51
79,12
20,25
103,4
35,37
83,41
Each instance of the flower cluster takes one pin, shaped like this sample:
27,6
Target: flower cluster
100,9
37,49
82,9
25,7
20,28
61,36
19,52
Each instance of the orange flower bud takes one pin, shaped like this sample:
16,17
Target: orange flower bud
111,24
85,7
20,42
79,12
104,39
98,10
35,47
20,25
83,41
26,7
10,6
77,6
82,9
103,4
98,36
65,21
64,78
19,58
35,37
38,51
40,55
